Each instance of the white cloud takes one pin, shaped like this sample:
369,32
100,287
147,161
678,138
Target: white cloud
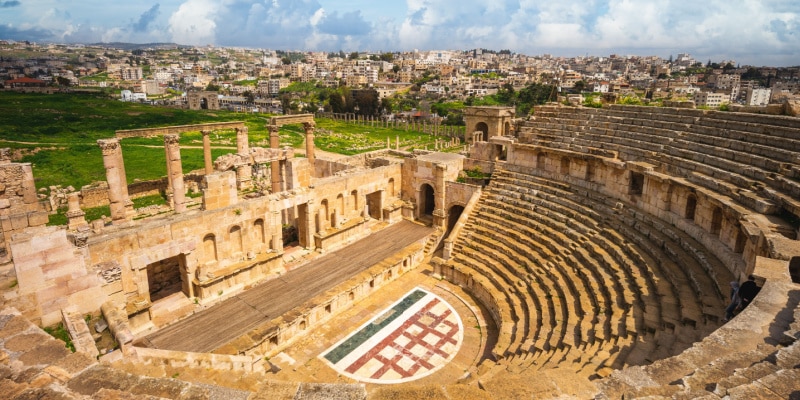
193,22
751,31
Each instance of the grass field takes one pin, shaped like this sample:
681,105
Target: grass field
64,128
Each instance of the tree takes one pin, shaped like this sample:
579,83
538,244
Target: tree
388,57
396,69
386,105
62,81
249,96
353,55
367,102
286,103
579,86
212,87
505,94
286,60
336,102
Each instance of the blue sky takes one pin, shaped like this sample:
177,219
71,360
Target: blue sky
755,32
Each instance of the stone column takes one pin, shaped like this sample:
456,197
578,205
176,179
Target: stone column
277,232
175,168
74,214
309,128
168,190
397,142
275,166
209,166
242,141
117,184
244,172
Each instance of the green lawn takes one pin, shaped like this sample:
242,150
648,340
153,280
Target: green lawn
65,128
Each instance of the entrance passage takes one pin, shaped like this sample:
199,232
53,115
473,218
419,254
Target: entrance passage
453,216
428,200
482,127
164,278
375,204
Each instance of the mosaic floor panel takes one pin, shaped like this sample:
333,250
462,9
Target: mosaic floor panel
410,339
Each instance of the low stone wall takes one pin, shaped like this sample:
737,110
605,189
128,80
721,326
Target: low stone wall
96,194
182,359
484,295
231,279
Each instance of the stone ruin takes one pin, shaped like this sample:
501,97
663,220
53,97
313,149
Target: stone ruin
602,249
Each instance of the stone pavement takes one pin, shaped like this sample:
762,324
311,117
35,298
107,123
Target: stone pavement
412,338
302,362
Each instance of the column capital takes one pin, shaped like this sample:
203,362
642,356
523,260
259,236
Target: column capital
108,146
205,133
309,126
171,139
273,129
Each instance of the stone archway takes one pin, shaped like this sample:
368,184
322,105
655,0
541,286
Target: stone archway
492,121
203,100
482,127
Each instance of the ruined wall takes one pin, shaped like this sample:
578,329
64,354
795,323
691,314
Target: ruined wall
20,208
96,195
52,276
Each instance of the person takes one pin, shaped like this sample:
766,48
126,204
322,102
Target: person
748,291
734,301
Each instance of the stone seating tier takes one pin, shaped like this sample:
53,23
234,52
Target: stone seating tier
754,153
558,248
603,203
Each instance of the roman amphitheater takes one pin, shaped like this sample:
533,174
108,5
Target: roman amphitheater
594,262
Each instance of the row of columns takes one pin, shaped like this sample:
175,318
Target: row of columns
435,129
122,207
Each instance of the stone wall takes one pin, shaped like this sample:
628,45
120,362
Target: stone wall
20,207
96,194
53,276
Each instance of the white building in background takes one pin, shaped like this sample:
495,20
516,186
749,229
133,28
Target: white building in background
710,99
758,96
127,95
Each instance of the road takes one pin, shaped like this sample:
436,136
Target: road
212,328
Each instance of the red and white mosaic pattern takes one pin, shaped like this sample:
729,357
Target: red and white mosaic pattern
423,339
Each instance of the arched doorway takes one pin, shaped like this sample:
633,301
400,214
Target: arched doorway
452,217
427,200
691,207
481,126
716,221
203,103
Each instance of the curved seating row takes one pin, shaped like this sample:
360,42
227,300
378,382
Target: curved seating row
577,276
703,146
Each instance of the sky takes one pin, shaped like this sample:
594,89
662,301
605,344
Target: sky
750,32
